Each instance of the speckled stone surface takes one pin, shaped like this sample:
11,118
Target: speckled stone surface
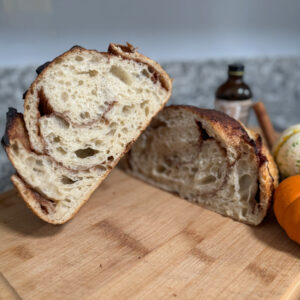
274,81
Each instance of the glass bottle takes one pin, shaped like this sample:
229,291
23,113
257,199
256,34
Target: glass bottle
234,97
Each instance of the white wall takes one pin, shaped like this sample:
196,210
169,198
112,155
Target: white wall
32,31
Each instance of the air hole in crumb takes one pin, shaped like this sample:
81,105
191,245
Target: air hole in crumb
80,82
147,111
79,58
39,162
62,122
64,96
85,115
126,108
56,139
61,150
121,74
112,132
125,130
244,212
98,142
93,73
110,158
101,108
30,160
160,169
146,73
144,103
37,170
67,180
84,153
208,179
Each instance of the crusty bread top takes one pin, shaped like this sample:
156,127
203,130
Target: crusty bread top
229,129
129,52
45,108
126,52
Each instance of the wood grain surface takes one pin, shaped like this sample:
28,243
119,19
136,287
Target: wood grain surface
133,241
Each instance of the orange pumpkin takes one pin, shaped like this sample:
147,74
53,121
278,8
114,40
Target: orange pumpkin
287,206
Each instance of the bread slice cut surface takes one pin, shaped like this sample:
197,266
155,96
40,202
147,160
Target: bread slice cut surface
208,158
81,114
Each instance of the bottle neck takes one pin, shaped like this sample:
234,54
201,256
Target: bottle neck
235,78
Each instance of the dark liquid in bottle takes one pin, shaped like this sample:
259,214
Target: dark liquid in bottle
234,96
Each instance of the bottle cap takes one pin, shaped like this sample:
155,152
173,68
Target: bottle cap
236,69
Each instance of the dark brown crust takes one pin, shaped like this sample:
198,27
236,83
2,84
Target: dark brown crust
42,67
15,120
10,116
24,94
232,127
155,69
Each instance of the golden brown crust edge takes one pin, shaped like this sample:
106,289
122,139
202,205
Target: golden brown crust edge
267,172
31,198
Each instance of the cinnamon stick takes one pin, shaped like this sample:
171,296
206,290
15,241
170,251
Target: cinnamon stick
265,123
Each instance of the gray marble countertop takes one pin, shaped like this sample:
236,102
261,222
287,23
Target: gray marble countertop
275,81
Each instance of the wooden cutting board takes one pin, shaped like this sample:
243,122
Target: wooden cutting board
133,241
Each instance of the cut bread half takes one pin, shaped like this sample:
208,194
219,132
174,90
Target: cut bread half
81,115
208,158
86,106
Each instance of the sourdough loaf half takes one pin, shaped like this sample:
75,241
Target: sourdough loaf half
208,158
81,114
